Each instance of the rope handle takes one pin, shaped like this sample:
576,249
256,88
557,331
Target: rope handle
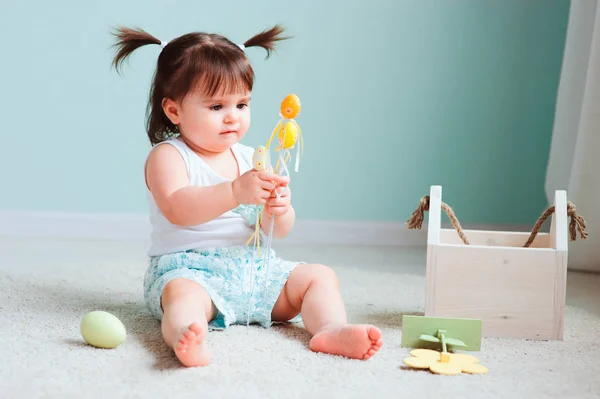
577,222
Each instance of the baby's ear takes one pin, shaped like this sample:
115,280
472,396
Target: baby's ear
171,109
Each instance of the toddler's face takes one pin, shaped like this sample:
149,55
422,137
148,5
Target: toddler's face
214,124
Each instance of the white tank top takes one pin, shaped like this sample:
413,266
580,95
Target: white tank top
231,228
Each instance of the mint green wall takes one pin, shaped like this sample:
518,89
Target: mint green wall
396,96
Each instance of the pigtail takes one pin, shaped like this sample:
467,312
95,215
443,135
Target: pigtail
130,40
266,39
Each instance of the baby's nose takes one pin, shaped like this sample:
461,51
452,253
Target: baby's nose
230,117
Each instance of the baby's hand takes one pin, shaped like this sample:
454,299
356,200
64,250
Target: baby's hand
278,206
254,187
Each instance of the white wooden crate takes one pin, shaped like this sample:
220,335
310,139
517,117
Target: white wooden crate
517,292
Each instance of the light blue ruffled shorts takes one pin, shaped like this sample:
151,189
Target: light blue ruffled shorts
233,279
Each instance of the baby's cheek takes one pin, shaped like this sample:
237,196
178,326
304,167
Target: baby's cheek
245,121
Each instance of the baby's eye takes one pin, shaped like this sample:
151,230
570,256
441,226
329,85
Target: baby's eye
241,106
216,107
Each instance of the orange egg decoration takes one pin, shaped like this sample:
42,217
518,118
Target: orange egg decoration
290,106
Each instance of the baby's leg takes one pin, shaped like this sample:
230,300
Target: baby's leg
314,291
187,309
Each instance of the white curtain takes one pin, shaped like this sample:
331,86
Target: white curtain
574,163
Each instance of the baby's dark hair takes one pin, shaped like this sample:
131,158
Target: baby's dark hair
206,61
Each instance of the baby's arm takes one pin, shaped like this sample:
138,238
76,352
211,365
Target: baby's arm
182,204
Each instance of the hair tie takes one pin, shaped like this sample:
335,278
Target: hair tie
241,46
163,44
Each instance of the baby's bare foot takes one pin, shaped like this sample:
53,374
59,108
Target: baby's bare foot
353,341
190,348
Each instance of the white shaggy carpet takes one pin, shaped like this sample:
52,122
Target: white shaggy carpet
47,286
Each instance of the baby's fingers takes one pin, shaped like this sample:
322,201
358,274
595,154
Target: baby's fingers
284,181
271,177
278,210
266,185
265,194
274,201
283,191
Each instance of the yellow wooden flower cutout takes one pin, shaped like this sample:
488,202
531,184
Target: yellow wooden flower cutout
444,362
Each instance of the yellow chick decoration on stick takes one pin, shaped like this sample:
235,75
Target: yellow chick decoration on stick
288,134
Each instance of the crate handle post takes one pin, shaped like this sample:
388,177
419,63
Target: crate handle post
433,203
559,222
434,224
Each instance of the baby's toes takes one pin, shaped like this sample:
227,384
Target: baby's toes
375,334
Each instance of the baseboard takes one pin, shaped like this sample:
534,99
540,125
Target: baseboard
74,225
356,233
137,226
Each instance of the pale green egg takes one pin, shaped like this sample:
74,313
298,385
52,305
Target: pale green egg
102,329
